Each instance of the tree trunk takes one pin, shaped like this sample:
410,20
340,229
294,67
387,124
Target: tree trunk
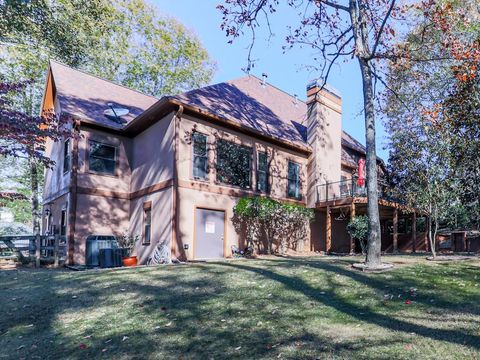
431,238
358,16
374,246
34,187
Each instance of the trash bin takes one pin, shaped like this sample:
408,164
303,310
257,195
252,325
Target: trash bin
105,257
118,255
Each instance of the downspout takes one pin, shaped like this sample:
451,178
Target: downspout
72,203
174,246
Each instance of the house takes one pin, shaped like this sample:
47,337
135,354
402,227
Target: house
172,169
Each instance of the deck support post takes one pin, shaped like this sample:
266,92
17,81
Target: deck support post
352,240
56,256
328,237
37,250
414,232
395,231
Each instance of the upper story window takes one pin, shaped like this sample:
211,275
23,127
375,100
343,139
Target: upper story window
262,172
200,157
102,158
293,189
66,156
233,164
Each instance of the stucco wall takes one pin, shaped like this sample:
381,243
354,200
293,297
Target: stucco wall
55,207
98,215
120,181
161,225
213,195
278,157
152,154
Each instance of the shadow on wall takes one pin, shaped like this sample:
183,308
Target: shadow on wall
285,233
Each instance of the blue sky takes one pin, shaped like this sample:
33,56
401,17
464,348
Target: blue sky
286,71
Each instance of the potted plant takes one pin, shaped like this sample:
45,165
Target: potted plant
128,242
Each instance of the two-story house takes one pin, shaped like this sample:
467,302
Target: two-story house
172,169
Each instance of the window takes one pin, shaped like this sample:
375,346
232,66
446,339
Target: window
233,164
66,156
147,222
293,180
200,159
262,172
102,158
63,223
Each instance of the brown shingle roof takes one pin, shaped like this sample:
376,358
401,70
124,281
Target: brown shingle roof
248,102
86,96
245,100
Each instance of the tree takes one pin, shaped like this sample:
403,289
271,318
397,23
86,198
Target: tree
282,224
124,41
149,52
432,117
358,229
361,29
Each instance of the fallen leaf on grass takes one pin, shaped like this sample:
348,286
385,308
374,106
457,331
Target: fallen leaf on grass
238,348
407,302
82,346
104,350
109,340
20,347
88,337
169,324
409,347
124,338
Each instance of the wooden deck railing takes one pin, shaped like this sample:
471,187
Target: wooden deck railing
350,188
50,248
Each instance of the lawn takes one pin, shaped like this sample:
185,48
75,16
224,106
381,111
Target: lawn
306,308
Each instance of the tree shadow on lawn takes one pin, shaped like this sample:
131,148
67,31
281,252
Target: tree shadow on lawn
162,313
360,313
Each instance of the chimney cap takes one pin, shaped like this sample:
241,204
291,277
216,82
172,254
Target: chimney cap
319,82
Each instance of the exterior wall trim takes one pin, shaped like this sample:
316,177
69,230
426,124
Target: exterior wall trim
223,190
124,195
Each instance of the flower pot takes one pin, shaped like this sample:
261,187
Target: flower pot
130,261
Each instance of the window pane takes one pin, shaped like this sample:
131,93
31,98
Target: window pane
233,164
102,150
262,161
199,167
262,181
199,144
102,158
147,234
293,180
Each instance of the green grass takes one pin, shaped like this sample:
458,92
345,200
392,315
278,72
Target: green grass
308,308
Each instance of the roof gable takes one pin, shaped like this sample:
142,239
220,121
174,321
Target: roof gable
87,96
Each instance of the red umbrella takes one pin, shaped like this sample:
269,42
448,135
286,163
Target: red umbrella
361,172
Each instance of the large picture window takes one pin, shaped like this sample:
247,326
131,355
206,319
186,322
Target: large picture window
294,180
262,172
233,164
102,158
66,156
200,157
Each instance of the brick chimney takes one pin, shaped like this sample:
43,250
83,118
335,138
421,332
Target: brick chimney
324,123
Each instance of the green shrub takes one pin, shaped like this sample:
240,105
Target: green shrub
358,229
281,223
